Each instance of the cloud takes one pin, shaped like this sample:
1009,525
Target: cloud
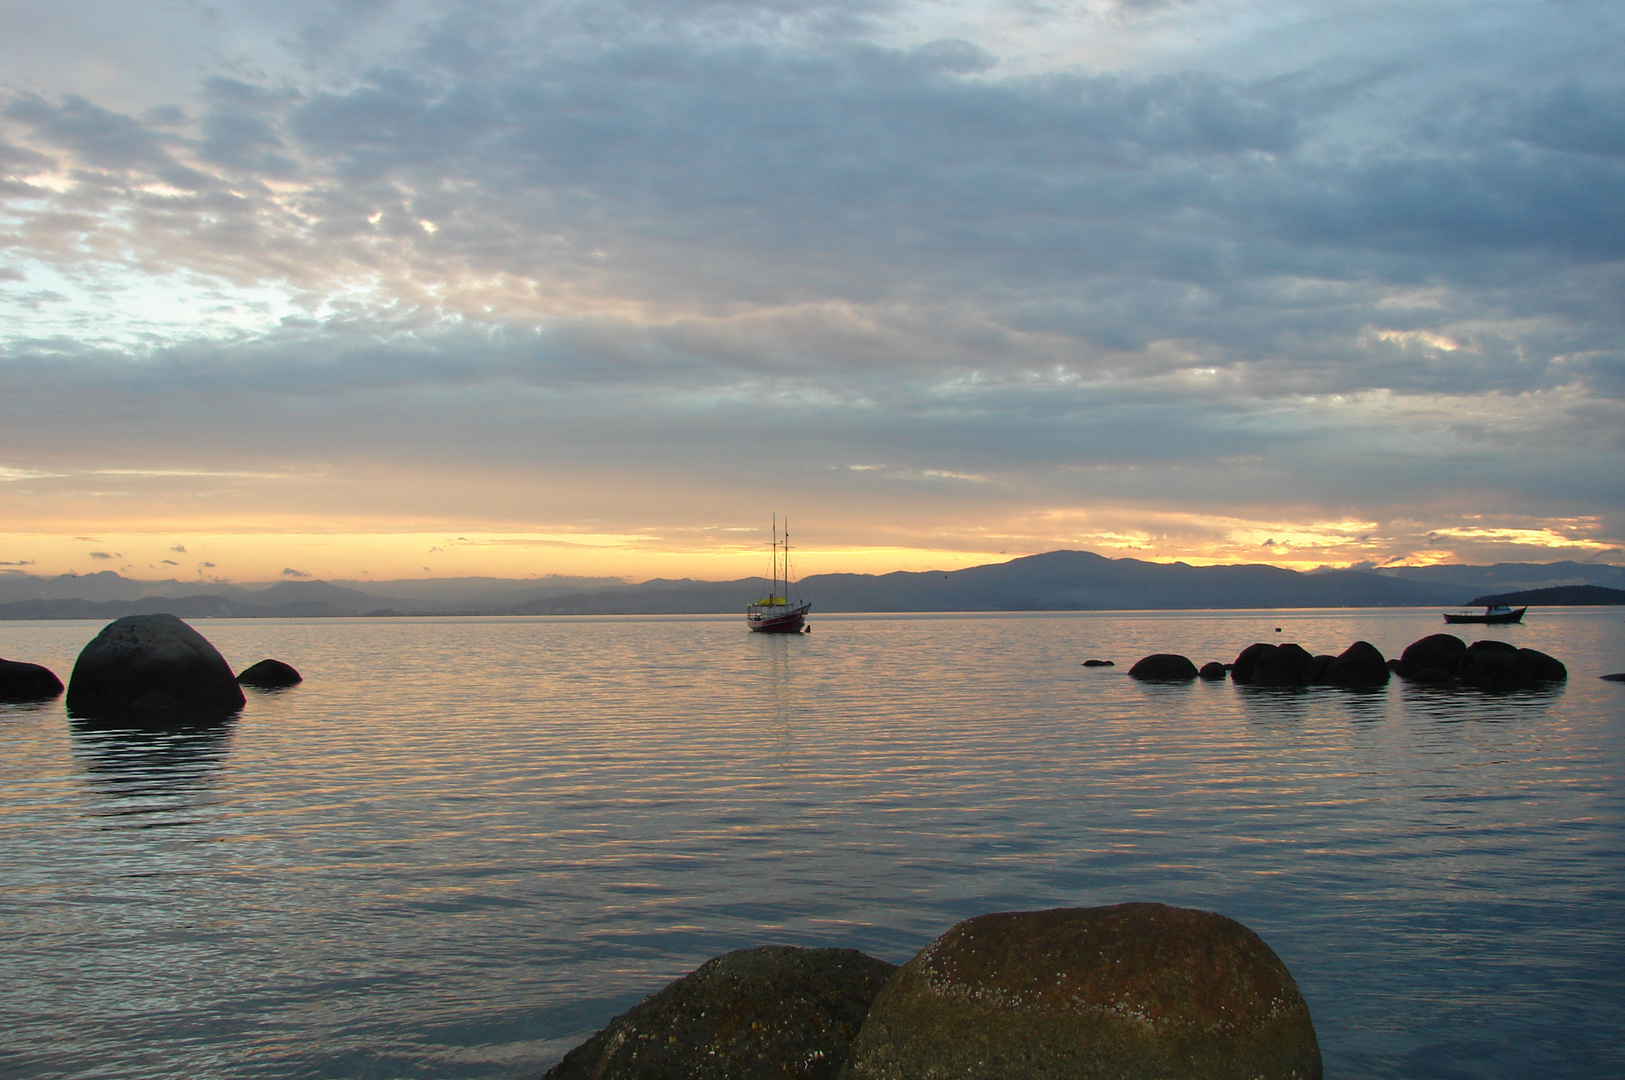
105,555
179,549
1333,271
292,573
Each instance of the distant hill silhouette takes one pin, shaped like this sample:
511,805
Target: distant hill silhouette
1561,596
1054,581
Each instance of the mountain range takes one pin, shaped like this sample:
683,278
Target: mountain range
1055,581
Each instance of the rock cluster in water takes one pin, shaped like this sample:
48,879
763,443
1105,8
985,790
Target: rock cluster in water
1439,659
1445,659
152,669
1129,991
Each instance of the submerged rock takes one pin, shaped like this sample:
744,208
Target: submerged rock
1618,676
756,1014
1164,667
1211,671
1130,992
21,681
270,675
152,669
1100,663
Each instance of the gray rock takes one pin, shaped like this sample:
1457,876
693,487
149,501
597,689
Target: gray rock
757,1014
1128,992
152,668
21,681
270,675
1164,667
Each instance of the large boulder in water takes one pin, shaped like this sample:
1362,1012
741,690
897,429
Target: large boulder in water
1284,665
1361,664
270,675
1539,667
20,681
1129,992
1436,652
1497,665
1164,667
1212,671
1492,665
756,1014
1241,669
152,668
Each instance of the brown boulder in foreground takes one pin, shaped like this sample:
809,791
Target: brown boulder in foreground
756,1014
1128,992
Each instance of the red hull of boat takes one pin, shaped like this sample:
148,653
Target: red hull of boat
789,623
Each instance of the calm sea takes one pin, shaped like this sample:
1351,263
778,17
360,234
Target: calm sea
463,844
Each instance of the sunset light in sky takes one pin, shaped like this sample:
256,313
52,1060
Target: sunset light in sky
433,288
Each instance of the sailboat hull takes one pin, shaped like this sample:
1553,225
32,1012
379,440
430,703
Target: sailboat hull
778,621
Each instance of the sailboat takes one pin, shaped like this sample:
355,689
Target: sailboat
774,613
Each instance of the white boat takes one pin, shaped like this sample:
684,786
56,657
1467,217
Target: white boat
774,613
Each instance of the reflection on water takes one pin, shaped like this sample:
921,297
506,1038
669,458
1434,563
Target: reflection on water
1469,704
150,773
415,868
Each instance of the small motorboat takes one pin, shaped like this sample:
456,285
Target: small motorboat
1497,613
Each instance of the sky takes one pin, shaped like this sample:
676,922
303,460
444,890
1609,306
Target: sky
362,288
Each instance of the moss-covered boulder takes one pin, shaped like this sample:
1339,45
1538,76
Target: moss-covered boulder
1128,992
769,1013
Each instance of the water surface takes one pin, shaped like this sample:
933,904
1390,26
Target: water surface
463,844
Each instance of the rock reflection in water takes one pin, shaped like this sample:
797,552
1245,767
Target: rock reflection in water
1470,704
148,772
